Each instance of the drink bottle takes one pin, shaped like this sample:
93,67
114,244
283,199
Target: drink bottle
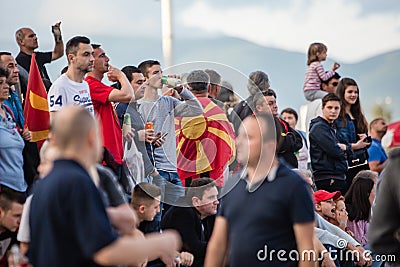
17,257
173,82
126,127
149,125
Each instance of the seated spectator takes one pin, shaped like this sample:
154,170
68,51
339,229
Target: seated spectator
11,204
341,215
325,203
359,199
325,208
146,203
323,241
195,222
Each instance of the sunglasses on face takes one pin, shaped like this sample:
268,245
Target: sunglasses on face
335,83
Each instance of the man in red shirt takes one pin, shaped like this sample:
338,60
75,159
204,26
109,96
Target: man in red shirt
102,97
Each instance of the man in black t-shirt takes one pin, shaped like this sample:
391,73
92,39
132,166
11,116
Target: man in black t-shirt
68,222
267,214
27,41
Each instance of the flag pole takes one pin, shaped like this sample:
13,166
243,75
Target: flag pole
166,27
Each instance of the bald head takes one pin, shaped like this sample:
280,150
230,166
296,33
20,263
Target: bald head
26,39
72,127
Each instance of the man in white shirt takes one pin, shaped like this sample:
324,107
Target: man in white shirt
70,88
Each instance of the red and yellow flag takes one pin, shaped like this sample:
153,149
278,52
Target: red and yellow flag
36,109
205,143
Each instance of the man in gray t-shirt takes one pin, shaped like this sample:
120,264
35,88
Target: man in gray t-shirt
161,110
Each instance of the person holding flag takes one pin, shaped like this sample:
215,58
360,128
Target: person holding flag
36,110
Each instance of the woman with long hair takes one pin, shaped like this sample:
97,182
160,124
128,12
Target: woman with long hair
359,199
352,127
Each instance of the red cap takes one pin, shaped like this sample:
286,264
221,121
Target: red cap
322,195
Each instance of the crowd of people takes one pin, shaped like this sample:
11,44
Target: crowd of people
158,170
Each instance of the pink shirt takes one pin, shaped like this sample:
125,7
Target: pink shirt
314,74
359,229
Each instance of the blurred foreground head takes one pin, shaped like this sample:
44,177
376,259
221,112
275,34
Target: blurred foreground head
76,134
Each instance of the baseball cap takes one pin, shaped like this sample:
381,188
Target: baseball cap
322,195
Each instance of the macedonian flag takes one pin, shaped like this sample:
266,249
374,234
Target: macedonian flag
36,110
205,143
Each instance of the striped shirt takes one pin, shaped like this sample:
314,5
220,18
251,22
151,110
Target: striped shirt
315,73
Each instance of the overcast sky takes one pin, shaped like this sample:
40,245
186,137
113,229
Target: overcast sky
352,29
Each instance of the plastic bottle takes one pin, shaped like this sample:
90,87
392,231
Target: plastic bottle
173,82
18,258
126,127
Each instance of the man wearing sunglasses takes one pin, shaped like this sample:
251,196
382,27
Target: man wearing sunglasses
314,108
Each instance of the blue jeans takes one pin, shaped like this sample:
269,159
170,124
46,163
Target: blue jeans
173,187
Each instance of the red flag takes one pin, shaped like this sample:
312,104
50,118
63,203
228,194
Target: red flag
205,143
36,109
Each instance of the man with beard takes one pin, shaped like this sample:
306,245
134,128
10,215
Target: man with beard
103,95
377,155
70,88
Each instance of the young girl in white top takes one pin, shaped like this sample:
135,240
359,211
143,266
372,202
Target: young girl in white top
315,72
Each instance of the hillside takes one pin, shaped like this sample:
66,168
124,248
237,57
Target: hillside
376,76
